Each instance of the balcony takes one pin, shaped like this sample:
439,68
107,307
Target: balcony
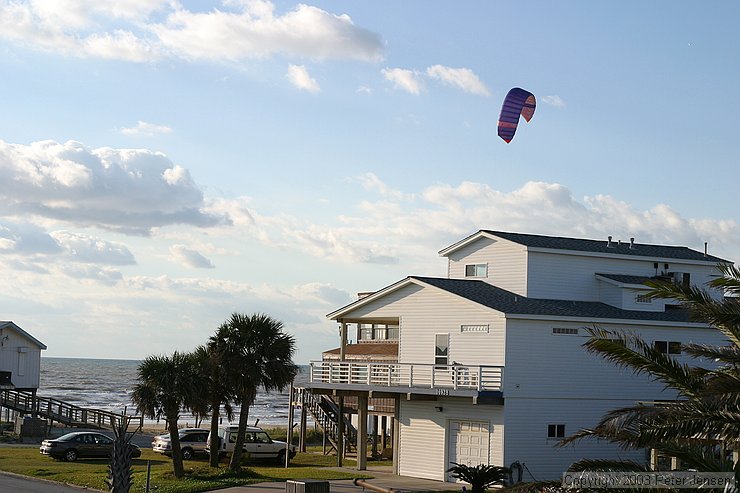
441,380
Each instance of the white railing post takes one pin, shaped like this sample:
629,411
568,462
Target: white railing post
411,375
480,378
331,372
349,372
369,372
454,377
432,377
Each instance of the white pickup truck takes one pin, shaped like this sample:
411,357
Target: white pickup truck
257,443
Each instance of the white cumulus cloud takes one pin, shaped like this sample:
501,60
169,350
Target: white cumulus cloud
146,128
128,190
404,79
144,30
299,77
555,101
190,258
461,78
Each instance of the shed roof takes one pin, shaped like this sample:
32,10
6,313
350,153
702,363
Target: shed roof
12,326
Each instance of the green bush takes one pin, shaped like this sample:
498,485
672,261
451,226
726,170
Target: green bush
480,476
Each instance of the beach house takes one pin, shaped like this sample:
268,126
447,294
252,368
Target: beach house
20,358
486,365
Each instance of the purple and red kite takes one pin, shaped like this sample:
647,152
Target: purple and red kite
517,102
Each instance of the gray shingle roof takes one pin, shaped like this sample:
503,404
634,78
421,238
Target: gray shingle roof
600,246
507,302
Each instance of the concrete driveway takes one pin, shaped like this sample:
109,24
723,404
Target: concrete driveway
384,478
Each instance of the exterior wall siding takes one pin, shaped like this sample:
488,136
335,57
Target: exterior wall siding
425,311
22,358
424,434
541,364
507,263
571,277
526,421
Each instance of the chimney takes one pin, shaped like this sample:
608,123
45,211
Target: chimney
632,243
705,248
609,242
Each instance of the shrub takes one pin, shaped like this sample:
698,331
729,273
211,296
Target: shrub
481,476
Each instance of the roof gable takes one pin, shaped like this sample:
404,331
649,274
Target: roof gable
591,246
10,325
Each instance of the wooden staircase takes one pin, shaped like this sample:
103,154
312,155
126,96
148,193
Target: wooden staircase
62,412
325,412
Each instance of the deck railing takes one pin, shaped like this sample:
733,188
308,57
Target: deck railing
63,412
456,377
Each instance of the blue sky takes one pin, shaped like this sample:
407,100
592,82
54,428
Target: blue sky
167,163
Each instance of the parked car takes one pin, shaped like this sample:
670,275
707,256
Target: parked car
192,442
257,443
81,444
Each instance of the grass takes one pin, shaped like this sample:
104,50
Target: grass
91,473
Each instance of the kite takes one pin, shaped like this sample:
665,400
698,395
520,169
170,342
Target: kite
517,102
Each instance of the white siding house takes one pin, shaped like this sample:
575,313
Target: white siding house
20,358
490,365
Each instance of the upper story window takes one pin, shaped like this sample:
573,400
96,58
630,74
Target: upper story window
668,347
476,270
377,332
556,431
643,298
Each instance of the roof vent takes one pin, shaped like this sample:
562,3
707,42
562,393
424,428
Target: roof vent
705,248
609,242
632,243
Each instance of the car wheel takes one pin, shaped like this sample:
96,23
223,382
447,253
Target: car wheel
70,455
281,457
187,453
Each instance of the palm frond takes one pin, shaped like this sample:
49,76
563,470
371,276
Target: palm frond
630,351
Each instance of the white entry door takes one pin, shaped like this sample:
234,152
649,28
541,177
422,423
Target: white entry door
467,443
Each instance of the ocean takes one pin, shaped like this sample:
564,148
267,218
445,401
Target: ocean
107,384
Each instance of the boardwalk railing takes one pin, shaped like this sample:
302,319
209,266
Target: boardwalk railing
63,412
456,377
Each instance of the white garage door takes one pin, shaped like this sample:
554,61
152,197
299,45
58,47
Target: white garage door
468,443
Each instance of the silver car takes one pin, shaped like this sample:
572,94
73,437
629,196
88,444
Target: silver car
193,441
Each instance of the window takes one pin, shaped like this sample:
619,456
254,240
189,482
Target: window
668,347
556,431
476,270
441,353
643,298
474,328
565,331
377,332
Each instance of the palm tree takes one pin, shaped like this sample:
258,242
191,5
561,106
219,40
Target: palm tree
215,392
704,421
257,353
167,385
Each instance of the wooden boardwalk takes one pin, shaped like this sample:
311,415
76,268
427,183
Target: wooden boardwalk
65,413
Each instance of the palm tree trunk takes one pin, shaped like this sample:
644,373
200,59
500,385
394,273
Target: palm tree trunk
177,465
215,444
236,456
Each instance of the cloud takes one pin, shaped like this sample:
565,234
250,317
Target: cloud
556,101
190,258
371,182
298,76
126,190
94,273
147,129
88,249
145,31
404,227
461,78
404,79
27,240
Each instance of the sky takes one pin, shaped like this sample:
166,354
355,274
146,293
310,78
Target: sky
166,163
